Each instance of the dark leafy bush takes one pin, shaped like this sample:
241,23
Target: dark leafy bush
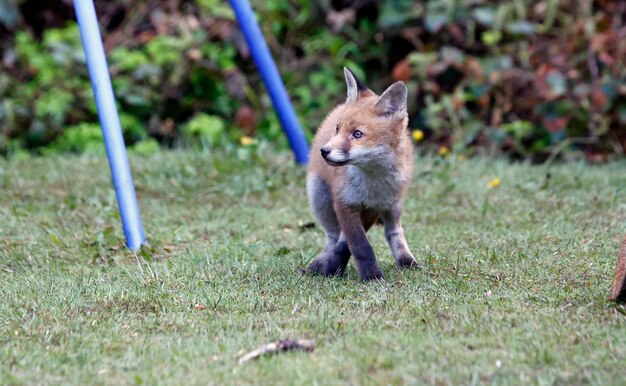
531,79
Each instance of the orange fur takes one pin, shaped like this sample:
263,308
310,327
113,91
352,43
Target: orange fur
359,115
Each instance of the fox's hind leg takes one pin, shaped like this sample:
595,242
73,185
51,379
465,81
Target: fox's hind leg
395,237
335,256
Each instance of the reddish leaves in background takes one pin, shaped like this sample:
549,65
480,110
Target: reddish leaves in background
402,70
246,119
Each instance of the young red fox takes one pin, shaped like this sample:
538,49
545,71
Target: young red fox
359,171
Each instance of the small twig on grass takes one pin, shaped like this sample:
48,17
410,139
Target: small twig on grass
275,347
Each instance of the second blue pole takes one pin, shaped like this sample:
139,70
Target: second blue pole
273,82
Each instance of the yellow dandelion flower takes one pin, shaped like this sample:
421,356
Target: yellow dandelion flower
418,135
246,141
494,183
443,151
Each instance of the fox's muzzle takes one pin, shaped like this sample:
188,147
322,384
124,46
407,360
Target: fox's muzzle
331,158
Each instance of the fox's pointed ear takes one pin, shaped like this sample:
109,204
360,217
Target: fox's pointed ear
393,99
356,89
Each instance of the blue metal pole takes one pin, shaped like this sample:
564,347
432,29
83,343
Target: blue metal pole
110,123
274,84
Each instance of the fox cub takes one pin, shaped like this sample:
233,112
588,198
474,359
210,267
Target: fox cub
360,167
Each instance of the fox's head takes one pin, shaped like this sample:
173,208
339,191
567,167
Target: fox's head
370,127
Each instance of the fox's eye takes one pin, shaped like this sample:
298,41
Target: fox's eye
337,129
357,134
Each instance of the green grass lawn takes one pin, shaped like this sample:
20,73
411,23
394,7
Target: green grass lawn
513,287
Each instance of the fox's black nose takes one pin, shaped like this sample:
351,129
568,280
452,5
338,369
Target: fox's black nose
325,151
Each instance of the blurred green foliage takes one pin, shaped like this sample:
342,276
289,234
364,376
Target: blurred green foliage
522,77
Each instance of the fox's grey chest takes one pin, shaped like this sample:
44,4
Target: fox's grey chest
372,189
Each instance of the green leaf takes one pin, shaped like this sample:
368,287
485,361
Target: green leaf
436,20
166,49
396,13
146,147
124,59
491,38
217,8
85,137
54,104
484,15
520,27
9,14
518,129
208,128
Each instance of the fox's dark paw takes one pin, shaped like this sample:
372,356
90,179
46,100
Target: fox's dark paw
324,267
373,278
407,261
371,273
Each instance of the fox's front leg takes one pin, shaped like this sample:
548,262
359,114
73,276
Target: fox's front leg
354,232
395,237
333,259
